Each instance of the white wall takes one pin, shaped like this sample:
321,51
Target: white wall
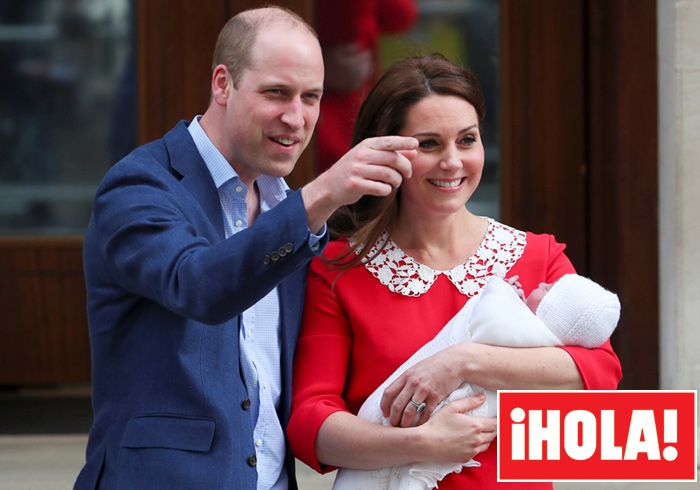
679,192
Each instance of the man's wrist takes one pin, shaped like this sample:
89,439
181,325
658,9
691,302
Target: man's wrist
319,205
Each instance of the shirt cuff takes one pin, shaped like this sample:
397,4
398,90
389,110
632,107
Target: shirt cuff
314,239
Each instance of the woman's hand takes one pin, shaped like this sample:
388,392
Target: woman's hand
429,381
345,440
453,436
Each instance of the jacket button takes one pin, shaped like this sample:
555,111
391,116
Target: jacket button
266,260
252,461
289,248
245,404
275,256
282,252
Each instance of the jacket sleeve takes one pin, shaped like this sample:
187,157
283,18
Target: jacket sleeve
320,366
600,367
149,230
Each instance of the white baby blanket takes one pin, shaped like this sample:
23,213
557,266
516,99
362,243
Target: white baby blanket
497,316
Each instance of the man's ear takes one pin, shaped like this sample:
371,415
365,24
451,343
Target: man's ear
220,85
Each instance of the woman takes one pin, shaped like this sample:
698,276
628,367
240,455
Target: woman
413,260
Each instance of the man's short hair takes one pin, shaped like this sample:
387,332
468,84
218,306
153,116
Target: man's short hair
235,42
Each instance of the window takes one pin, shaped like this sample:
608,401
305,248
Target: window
67,108
466,32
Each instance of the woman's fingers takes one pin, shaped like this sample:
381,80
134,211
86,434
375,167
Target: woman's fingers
429,381
467,404
454,434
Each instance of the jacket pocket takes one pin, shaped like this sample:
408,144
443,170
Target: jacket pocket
170,432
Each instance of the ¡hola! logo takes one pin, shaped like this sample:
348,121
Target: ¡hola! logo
597,435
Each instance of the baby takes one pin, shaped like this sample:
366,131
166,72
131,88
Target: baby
577,310
572,311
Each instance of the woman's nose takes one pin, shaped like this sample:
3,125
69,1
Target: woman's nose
450,161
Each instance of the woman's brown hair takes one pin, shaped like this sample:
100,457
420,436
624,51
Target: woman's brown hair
384,113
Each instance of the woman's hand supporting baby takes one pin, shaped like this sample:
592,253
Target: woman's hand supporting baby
450,436
459,437
491,367
429,381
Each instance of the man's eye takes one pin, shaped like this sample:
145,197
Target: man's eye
312,97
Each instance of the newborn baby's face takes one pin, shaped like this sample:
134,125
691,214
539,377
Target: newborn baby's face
533,301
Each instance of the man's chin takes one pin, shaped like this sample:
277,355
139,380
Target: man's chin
281,168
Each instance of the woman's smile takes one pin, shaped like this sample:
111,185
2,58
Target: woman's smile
446,184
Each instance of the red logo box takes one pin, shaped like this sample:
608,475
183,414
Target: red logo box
597,435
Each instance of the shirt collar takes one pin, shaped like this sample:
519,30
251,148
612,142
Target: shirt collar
273,190
498,252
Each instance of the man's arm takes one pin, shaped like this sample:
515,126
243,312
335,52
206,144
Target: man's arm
152,235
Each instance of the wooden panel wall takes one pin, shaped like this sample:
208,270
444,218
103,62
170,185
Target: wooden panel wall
44,330
543,134
579,156
579,146
623,194
44,334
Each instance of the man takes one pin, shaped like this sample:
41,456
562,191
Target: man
195,261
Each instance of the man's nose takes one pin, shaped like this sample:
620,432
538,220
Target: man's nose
293,115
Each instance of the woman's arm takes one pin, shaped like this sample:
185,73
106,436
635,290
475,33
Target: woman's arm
348,441
491,367
506,367
321,430
600,368
499,368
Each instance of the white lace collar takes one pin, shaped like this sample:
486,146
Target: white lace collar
501,248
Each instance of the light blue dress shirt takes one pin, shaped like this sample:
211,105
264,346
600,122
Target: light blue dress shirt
260,329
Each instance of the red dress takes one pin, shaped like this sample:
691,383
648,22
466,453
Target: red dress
357,331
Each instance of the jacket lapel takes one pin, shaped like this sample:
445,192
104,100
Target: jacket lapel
186,160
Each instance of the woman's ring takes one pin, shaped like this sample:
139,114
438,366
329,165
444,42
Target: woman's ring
420,407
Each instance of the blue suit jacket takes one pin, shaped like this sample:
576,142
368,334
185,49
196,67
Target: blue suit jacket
165,295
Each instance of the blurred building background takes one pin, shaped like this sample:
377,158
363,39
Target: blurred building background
593,117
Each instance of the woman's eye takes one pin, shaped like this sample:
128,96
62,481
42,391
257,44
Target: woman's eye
469,139
427,144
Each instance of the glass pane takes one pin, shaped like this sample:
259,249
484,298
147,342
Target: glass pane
67,108
467,32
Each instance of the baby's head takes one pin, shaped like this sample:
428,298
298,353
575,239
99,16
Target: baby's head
537,294
574,303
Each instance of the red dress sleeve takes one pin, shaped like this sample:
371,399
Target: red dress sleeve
600,368
320,365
